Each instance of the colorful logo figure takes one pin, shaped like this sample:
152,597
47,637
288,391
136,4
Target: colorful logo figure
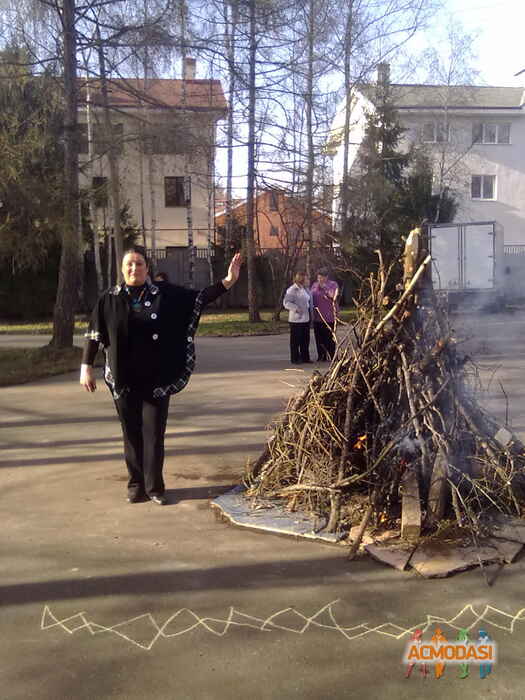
484,669
438,652
463,636
417,638
438,639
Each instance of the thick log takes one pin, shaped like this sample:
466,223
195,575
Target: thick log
438,492
503,436
362,527
411,255
410,506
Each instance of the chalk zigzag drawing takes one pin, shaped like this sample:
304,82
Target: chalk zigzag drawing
189,620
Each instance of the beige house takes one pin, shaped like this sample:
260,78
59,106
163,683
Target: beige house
164,145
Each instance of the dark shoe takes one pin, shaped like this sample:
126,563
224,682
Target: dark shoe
159,500
136,497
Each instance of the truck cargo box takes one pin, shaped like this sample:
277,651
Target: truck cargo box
467,262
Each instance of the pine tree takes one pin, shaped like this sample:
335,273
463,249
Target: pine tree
31,186
389,191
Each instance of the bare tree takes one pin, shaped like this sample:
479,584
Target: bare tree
92,199
452,70
230,14
250,187
69,271
62,30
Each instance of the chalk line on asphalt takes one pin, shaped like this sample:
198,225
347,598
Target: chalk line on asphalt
188,620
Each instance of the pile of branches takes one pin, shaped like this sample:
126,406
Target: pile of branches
395,413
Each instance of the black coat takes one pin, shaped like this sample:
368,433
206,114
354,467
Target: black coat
172,315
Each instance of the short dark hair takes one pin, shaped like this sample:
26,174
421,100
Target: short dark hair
162,276
323,271
140,250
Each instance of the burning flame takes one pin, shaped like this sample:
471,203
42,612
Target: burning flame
361,443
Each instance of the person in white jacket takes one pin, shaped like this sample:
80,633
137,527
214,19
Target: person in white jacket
298,302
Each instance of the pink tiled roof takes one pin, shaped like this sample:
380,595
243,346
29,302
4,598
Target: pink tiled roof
201,95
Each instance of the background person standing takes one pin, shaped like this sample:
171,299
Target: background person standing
324,299
298,302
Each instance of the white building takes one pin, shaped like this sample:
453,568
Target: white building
166,150
476,136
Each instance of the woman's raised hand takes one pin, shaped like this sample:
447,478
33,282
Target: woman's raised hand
233,271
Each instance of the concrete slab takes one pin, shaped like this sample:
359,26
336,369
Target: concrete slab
436,560
268,517
508,551
396,554
410,506
507,528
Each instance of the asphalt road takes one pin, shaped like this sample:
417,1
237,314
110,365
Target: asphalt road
103,599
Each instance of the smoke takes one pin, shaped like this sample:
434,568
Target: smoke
496,344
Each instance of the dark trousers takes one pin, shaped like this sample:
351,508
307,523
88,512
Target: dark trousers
143,422
300,342
324,340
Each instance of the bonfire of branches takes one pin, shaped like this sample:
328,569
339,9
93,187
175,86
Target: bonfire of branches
392,435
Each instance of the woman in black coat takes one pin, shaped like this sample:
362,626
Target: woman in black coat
147,331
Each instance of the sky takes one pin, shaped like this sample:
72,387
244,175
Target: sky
500,27
499,48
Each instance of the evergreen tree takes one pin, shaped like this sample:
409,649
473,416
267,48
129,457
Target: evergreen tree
390,191
31,179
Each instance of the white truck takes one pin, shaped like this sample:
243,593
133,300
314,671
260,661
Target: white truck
467,263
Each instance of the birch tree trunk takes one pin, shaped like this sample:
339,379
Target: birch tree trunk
310,138
253,311
141,150
231,29
93,210
152,203
344,199
187,175
211,203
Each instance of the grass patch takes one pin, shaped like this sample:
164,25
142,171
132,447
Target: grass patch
235,323
36,327
22,365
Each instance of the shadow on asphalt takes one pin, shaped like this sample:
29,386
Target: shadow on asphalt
196,493
197,434
250,448
265,574
264,407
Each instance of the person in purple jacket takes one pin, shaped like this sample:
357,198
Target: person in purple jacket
324,299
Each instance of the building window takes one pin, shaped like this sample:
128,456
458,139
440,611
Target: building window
490,132
174,195
436,132
100,191
273,201
483,187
